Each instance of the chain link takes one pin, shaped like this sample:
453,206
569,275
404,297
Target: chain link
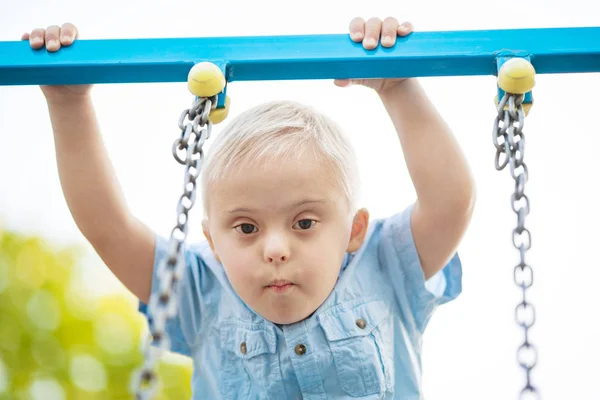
187,150
509,140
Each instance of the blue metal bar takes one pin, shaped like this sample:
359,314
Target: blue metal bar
421,54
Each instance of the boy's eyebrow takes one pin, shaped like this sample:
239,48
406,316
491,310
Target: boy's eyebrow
300,203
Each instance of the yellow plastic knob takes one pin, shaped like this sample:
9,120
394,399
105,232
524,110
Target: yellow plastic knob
517,76
219,114
205,79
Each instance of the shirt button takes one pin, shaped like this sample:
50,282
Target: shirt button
300,349
243,348
361,323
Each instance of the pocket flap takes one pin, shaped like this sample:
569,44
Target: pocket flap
248,341
359,320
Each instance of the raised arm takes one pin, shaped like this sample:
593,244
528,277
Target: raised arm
438,168
88,180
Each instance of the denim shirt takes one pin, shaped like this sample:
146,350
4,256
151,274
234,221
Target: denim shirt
363,342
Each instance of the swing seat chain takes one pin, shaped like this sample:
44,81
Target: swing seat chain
187,150
509,140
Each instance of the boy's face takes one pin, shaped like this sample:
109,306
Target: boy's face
281,232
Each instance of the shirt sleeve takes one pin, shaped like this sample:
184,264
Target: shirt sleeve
182,329
398,256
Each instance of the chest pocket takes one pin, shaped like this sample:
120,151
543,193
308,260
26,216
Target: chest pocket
355,341
250,366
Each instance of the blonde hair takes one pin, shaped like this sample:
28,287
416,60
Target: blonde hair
276,131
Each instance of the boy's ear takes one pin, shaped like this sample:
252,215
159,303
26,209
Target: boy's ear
360,225
208,237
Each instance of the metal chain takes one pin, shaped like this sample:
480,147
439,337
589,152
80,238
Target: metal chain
509,141
187,150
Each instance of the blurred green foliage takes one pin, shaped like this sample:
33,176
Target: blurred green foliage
57,342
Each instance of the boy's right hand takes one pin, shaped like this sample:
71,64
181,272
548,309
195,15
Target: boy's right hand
53,38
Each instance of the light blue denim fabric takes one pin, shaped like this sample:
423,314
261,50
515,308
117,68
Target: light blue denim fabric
382,284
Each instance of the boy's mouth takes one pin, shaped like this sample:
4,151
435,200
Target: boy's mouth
280,285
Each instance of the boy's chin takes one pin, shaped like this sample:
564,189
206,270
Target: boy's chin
287,317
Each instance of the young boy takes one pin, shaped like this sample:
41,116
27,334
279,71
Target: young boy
294,294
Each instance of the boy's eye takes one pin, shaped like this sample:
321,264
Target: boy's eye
305,224
246,228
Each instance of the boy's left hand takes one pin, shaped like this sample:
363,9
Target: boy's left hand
369,33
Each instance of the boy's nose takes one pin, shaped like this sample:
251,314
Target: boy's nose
276,250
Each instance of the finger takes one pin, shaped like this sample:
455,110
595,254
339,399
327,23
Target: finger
342,82
372,33
52,42
357,29
25,36
349,82
389,31
36,39
405,28
68,34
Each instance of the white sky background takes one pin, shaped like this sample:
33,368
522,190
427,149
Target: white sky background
470,345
